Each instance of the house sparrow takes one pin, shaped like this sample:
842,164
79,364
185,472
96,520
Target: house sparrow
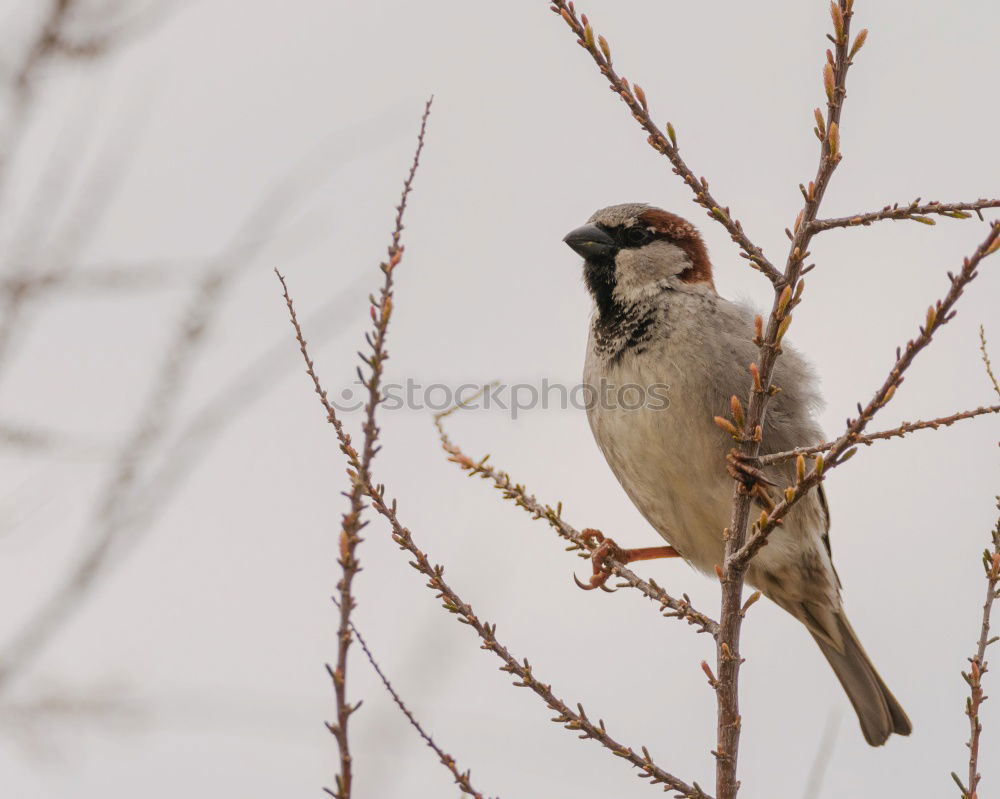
658,320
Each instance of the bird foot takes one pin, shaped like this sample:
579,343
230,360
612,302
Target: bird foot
746,469
604,550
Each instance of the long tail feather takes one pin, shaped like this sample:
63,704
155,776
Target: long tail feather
878,711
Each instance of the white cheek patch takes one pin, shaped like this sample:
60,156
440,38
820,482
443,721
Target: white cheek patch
639,271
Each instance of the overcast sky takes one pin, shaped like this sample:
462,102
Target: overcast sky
215,623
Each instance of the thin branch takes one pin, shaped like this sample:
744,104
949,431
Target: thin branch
462,778
576,720
914,211
732,571
938,315
664,143
986,360
678,608
978,666
896,432
351,525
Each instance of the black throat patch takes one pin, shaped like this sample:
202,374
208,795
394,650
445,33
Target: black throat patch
618,327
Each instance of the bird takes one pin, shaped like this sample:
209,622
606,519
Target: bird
658,321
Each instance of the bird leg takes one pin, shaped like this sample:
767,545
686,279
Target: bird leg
603,550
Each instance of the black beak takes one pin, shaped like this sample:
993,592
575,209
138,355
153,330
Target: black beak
592,243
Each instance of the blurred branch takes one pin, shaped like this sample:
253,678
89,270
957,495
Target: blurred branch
914,211
110,518
897,432
136,277
578,721
23,78
462,778
45,715
203,428
824,754
679,608
17,435
56,38
664,143
40,239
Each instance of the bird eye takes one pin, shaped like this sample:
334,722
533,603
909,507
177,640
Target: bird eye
637,236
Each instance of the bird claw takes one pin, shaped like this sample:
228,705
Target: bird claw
744,469
602,547
596,581
604,550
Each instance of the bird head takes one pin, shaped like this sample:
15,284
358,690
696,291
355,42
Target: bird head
634,251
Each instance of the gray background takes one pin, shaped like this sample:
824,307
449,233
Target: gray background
214,630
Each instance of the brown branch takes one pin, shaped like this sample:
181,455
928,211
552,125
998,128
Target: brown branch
664,143
978,666
914,211
728,659
938,315
576,720
351,524
986,361
678,608
462,778
896,432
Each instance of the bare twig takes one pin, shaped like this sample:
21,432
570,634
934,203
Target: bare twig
665,143
977,663
678,608
986,360
576,720
788,287
728,659
897,432
914,211
978,666
938,315
352,524
462,778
